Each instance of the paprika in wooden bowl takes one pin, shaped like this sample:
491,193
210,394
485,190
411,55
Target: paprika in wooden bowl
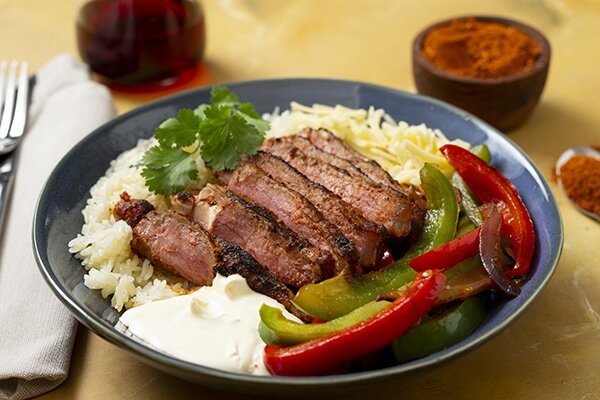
492,67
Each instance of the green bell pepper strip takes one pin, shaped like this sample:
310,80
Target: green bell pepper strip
326,354
275,328
469,203
491,186
465,225
483,152
437,333
341,294
463,267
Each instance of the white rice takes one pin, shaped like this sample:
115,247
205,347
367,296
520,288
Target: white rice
103,244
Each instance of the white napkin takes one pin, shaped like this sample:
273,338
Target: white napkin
36,330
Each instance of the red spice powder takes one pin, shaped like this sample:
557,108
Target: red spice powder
480,49
580,177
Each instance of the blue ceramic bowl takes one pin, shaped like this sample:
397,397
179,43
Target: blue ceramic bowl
58,217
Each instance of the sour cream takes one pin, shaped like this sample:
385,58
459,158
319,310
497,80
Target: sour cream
216,326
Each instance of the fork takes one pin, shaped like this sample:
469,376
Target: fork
14,95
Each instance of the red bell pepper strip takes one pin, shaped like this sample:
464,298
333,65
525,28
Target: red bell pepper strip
491,186
448,255
325,354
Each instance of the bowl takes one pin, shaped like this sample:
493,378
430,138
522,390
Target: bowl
58,219
504,102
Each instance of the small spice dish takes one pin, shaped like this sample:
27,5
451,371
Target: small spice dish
578,173
504,102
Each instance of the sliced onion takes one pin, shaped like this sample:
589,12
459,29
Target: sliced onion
465,285
489,249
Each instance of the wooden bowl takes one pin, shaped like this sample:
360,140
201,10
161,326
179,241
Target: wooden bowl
503,102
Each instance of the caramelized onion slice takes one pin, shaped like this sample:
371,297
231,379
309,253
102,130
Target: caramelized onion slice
466,285
489,249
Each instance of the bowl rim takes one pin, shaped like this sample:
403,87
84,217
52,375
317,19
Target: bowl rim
541,63
157,358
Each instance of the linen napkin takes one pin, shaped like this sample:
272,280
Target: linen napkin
36,330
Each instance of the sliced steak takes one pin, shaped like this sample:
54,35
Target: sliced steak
367,236
296,212
201,255
172,242
376,202
234,260
291,259
414,200
328,142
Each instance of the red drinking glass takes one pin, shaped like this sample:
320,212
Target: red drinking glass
137,43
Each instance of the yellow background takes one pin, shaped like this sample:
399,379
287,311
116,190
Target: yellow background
553,350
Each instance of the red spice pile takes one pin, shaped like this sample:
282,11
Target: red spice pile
580,177
480,49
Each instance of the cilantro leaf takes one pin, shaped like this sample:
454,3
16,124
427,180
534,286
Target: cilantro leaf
226,135
225,129
223,96
181,131
168,169
199,111
251,116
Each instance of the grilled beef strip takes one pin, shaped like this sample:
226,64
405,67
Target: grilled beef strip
291,259
377,203
368,237
416,207
178,245
172,242
312,253
297,213
328,142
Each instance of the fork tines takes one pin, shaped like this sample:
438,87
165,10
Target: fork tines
14,91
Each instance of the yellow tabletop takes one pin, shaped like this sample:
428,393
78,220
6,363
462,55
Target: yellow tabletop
552,351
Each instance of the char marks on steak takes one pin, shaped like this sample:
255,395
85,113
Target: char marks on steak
291,259
197,255
234,260
367,236
376,202
131,210
297,213
172,242
310,150
328,142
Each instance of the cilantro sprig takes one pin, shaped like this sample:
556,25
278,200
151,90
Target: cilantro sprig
220,132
